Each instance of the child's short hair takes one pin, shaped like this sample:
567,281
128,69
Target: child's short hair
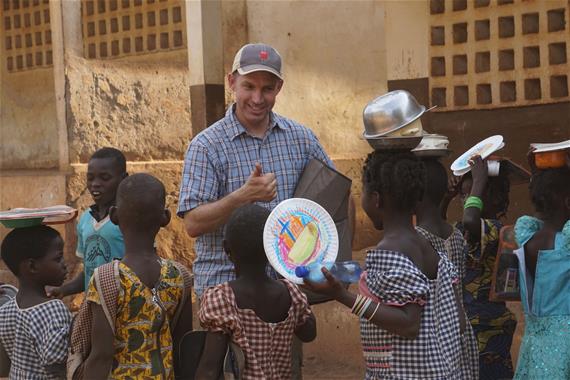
436,180
141,197
26,243
114,154
548,188
244,233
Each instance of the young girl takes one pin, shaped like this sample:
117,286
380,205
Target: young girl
486,200
411,319
34,329
150,295
256,312
545,278
445,238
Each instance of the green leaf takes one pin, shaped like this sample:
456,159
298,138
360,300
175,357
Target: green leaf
135,306
136,340
156,362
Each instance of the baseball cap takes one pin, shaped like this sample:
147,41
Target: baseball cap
257,57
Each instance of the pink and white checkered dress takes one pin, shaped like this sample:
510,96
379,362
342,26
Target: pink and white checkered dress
266,346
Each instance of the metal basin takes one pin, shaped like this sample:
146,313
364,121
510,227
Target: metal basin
394,143
390,112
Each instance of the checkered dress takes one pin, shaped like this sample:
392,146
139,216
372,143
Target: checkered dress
436,353
456,247
266,346
34,338
219,161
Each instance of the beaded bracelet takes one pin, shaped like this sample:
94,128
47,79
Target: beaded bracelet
473,201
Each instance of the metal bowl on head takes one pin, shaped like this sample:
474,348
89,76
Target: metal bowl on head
391,112
394,143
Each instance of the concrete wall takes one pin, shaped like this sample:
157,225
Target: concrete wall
29,138
407,39
332,67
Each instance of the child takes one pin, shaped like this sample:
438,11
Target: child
34,329
411,319
99,241
447,239
545,278
494,324
150,293
256,312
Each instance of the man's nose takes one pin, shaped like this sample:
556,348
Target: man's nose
257,97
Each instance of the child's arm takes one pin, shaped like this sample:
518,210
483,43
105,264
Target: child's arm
399,320
100,360
77,285
212,359
472,215
307,332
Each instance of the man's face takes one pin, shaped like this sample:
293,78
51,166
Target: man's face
255,95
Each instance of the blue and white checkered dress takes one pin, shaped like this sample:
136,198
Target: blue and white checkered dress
220,159
34,338
436,352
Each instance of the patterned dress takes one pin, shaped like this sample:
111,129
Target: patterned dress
143,340
436,352
493,322
34,338
266,346
455,246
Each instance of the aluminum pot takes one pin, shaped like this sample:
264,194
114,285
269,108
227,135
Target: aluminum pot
391,112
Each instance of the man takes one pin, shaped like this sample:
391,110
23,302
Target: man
252,155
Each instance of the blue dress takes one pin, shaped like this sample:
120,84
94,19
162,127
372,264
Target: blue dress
545,348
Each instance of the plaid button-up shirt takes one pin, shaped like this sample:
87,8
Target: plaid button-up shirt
220,159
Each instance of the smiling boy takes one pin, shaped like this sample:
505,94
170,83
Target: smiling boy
99,241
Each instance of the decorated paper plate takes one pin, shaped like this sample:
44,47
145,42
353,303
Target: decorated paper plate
541,148
27,217
484,149
299,232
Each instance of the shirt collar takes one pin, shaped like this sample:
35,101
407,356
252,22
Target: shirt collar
235,128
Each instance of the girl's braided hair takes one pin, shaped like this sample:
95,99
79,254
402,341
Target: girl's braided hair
397,174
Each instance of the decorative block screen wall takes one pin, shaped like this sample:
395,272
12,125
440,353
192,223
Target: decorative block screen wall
117,28
27,34
498,53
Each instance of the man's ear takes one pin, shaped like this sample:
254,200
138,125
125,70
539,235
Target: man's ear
166,216
114,215
567,203
279,85
232,81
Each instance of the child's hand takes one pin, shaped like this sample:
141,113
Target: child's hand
479,170
54,292
453,187
331,287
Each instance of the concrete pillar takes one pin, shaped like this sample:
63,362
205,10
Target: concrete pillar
205,62
67,40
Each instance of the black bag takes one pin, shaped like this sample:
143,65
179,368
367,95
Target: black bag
330,189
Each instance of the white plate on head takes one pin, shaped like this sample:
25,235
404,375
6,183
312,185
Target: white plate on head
484,149
299,232
541,148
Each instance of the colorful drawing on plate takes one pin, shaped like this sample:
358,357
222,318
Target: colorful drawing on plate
299,232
